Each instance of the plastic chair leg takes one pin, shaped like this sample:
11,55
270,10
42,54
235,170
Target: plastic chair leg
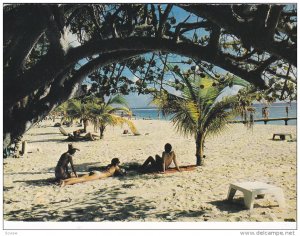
231,193
249,200
279,196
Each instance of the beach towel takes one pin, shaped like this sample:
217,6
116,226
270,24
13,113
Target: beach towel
173,170
182,168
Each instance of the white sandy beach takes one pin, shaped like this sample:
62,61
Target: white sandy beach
238,154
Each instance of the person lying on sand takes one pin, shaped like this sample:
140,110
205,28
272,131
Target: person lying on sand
77,137
112,169
161,163
61,170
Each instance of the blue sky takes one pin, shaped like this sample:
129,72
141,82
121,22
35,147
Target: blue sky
139,101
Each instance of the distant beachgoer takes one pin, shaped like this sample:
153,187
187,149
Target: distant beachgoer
77,137
267,112
125,131
287,111
161,163
112,169
77,133
61,170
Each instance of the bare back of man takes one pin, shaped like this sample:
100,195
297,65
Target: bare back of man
61,170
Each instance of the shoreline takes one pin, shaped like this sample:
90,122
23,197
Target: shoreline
231,122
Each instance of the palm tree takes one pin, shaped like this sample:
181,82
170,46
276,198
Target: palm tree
198,111
77,109
97,111
104,114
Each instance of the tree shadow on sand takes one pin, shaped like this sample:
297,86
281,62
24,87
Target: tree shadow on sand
48,133
81,170
39,182
237,205
47,140
234,206
84,168
106,204
7,188
173,216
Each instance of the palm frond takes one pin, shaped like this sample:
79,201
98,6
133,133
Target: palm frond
219,115
118,99
204,114
186,117
167,103
239,81
123,109
117,120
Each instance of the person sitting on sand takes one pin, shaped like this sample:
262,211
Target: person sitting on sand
112,169
161,163
61,170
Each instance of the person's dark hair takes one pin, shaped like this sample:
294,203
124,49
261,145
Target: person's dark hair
115,161
168,147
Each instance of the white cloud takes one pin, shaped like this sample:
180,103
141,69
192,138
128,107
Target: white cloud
138,101
230,91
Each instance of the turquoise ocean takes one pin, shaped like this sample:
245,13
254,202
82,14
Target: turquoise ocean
276,110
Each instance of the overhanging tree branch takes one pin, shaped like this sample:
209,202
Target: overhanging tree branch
119,45
249,33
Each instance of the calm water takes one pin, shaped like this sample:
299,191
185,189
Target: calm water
276,110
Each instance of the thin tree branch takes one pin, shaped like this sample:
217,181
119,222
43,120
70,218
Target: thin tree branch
162,20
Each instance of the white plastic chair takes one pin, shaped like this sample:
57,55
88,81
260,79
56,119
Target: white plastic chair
252,189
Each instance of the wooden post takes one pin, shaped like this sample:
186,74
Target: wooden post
265,122
286,121
24,147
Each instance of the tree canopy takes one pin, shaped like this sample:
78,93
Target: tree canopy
50,49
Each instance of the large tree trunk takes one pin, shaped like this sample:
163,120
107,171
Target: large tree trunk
18,120
85,124
102,128
199,149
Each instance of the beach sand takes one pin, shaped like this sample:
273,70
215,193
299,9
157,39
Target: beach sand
238,154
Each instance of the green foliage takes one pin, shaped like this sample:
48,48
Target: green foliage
198,110
97,111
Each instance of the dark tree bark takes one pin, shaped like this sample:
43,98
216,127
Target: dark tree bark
85,124
199,149
259,32
102,129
